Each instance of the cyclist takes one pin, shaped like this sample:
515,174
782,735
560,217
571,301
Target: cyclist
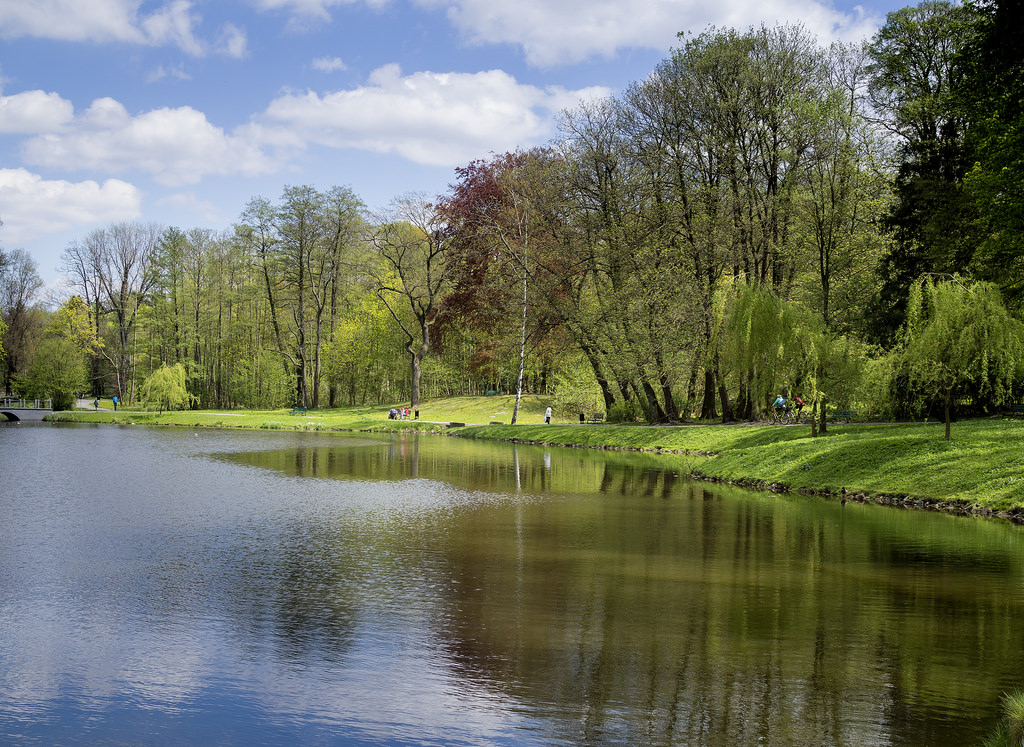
798,407
778,407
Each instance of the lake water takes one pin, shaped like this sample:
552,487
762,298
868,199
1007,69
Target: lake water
179,586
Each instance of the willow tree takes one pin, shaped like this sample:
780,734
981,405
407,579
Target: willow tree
167,389
760,333
959,341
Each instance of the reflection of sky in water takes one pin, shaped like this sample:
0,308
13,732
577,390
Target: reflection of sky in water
174,586
160,596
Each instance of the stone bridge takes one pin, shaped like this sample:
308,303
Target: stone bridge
13,408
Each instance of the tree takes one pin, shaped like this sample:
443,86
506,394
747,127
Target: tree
843,195
19,283
960,341
119,263
914,76
166,388
257,232
415,271
760,334
992,91
59,370
360,360
495,217
331,269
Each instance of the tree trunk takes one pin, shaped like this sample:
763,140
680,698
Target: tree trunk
708,411
654,412
414,399
522,355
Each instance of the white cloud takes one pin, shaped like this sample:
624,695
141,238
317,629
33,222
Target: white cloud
172,25
71,20
233,41
329,64
178,146
104,21
311,10
553,32
162,72
439,119
558,32
32,112
32,207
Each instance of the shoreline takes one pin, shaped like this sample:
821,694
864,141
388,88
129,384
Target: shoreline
980,472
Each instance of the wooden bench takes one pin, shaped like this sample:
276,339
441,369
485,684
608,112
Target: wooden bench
298,411
1017,409
595,417
846,415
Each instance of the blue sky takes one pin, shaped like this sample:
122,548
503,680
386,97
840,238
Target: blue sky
180,111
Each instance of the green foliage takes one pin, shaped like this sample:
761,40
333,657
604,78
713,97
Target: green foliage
574,389
914,78
760,335
73,322
960,341
362,360
57,372
166,388
708,239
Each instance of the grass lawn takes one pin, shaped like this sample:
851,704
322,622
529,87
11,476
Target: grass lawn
982,466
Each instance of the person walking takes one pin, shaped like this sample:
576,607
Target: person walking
547,416
115,403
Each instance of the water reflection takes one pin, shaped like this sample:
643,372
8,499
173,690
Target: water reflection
261,588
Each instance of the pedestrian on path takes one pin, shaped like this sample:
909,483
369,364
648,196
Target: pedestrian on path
547,416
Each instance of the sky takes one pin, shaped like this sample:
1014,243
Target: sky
179,112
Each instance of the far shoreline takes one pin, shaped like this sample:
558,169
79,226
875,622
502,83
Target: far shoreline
979,472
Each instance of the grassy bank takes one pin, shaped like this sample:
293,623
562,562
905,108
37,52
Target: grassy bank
981,468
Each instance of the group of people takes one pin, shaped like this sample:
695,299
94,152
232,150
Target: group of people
96,403
780,404
398,413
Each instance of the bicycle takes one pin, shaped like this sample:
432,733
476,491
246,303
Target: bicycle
783,417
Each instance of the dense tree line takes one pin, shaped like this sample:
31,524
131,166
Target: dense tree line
760,215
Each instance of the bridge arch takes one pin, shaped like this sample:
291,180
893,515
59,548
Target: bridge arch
19,408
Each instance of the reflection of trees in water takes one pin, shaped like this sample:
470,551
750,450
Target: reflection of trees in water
475,465
716,619
311,603
634,606
290,593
